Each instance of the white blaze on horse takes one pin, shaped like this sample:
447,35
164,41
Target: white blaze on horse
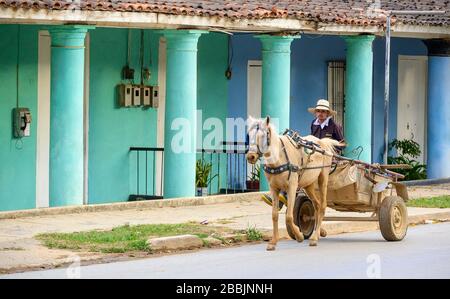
287,168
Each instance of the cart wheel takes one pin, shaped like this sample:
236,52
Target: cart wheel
303,217
393,218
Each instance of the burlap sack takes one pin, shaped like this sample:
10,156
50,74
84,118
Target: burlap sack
344,175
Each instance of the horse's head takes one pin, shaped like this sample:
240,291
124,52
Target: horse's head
259,135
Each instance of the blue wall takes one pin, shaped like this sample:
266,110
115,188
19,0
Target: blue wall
439,120
244,48
309,78
399,46
309,83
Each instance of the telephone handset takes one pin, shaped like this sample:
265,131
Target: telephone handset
22,122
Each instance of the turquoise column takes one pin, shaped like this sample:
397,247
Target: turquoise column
66,115
180,115
438,111
358,95
276,83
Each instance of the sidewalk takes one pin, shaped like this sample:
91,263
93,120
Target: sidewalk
19,250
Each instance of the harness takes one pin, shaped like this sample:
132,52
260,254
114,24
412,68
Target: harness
299,142
309,148
285,167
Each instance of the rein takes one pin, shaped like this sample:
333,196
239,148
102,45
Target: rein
298,142
291,167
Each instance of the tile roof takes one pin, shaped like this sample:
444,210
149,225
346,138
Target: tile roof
355,12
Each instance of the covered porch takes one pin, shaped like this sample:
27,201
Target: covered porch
86,147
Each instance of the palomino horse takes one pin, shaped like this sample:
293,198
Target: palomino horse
286,168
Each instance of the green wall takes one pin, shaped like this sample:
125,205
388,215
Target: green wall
213,92
112,130
17,157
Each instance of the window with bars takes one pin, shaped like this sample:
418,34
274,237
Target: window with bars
336,89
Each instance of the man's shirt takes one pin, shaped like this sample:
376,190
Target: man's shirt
327,129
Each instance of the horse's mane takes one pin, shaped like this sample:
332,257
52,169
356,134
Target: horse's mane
327,144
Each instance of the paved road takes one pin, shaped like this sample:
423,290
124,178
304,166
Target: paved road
425,253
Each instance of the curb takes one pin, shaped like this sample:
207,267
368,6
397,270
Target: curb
185,242
188,242
148,204
180,242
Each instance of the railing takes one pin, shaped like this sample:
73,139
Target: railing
142,154
229,171
237,169
228,161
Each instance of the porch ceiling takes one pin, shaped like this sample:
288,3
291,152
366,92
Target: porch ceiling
323,16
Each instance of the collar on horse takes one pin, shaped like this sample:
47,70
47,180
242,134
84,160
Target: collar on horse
285,167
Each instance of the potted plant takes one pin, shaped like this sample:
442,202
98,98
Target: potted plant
254,178
407,151
202,177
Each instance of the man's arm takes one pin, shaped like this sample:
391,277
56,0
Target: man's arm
339,137
338,132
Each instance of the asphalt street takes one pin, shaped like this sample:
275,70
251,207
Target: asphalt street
424,253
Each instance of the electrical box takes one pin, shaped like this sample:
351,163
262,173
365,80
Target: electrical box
127,73
146,95
154,96
136,95
22,122
125,95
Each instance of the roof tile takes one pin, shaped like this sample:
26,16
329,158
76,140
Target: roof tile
361,12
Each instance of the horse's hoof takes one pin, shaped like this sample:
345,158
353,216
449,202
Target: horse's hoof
312,243
323,233
301,238
270,247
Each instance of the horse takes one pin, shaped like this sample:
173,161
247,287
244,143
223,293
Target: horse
287,168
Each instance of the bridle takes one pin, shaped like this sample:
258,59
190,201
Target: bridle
250,145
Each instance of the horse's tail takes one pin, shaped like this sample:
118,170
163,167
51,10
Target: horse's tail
329,145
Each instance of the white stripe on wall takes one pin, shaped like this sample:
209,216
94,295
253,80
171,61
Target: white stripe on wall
43,122
159,180
87,43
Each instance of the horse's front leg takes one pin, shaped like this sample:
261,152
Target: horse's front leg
317,206
292,190
275,201
323,188
320,205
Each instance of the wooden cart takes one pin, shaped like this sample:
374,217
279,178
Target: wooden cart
355,186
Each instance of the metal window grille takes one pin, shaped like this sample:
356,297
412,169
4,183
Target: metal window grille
336,89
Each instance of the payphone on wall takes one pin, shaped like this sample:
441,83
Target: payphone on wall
22,122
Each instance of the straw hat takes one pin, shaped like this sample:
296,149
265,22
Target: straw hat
322,105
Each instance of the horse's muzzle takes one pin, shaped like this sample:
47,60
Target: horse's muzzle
252,158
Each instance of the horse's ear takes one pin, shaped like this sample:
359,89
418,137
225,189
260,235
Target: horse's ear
250,121
267,120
